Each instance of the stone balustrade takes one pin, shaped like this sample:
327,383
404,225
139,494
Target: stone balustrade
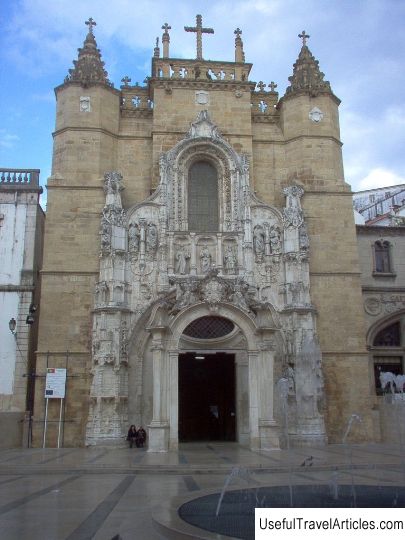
201,70
19,177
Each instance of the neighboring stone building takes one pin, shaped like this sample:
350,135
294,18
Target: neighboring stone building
201,267
21,235
382,262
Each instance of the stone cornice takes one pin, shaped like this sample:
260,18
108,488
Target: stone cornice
17,288
105,86
382,290
379,230
69,272
165,83
337,274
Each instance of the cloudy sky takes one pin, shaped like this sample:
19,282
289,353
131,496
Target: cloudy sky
360,45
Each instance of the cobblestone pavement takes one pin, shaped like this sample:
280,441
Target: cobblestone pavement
85,493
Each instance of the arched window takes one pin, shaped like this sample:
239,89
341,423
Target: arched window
388,352
382,258
390,336
203,197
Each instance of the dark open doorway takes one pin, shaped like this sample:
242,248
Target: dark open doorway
207,397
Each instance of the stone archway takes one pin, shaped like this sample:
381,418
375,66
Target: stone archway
165,339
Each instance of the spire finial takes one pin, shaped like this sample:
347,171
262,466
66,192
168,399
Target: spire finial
90,23
304,36
238,32
166,27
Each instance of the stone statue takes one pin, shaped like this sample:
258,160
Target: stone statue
205,259
105,234
112,183
230,262
291,379
238,297
181,261
151,237
134,236
292,213
303,237
275,239
258,240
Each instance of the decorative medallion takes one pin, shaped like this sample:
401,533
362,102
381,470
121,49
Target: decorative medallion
202,97
316,115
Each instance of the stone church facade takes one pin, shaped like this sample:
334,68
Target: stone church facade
200,271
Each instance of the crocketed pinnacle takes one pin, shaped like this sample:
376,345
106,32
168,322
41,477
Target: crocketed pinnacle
307,76
88,68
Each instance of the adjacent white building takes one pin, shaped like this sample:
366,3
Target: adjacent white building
21,233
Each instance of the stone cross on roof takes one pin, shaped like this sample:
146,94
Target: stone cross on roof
126,80
261,86
166,27
272,86
304,37
199,31
90,23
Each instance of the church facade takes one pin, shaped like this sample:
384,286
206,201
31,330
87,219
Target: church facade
201,274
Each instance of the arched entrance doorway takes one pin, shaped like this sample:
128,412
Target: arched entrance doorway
248,349
207,397
207,380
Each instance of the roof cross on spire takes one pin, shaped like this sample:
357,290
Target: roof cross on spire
304,38
166,27
199,31
90,23
238,32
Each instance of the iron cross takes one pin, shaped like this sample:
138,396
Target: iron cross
304,37
90,23
198,28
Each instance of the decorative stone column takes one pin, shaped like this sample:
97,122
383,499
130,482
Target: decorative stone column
159,427
173,399
268,428
254,373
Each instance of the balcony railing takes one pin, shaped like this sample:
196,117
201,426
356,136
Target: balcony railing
19,177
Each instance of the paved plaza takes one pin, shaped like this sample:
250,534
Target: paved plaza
84,493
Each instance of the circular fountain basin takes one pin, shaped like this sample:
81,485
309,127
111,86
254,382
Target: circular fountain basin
237,512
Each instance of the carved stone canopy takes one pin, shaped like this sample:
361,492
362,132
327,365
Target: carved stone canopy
307,77
88,68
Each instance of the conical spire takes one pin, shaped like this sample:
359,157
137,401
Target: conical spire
307,77
88,68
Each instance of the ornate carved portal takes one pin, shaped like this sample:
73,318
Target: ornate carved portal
157,277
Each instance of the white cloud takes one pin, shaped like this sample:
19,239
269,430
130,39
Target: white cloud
7,140
380,177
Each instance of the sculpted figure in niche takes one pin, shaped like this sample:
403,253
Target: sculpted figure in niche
181,261
134,236
105,233
151,237
238,297
112,183
258,240
230,261
205,260
303,237
275,239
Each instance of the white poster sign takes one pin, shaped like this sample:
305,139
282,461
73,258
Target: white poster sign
55,383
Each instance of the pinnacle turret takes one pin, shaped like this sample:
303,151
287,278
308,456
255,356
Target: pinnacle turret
307,77
89,68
